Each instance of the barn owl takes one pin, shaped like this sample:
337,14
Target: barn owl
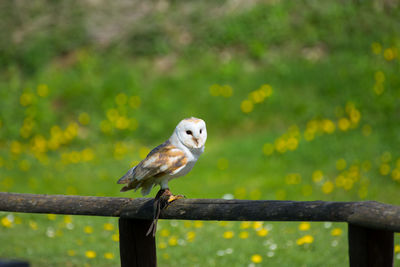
172,159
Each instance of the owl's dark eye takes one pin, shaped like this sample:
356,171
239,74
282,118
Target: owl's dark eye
201,130
189,132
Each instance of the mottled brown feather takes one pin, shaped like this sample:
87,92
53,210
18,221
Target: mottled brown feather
165,155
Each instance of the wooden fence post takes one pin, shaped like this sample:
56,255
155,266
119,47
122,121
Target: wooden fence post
136,249
370,247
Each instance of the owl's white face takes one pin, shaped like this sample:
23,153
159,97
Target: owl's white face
192,132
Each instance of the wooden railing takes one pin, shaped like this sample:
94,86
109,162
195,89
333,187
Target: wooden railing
370,232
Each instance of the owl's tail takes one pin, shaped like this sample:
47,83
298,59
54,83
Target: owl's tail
127,177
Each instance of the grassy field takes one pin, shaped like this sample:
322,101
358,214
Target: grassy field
301,103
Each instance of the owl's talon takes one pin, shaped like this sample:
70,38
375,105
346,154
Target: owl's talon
173,198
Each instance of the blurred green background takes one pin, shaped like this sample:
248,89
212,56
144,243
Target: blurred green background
301,101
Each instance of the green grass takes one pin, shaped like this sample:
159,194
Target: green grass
324,62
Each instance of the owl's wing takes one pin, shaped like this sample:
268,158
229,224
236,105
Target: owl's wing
162,160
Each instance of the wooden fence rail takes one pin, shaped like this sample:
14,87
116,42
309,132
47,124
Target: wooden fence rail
371,224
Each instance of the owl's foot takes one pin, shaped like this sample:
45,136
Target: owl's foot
161,201
173,198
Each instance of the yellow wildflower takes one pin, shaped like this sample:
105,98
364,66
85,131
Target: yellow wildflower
378,88
245,225
88,229
341,164
164,232
223,223
256,258
228,234
355,116
115,237
109,255
304,226
246,106
190,236
280,145
312,126
384,169
16,147
257,225
363,192
340,181
173,241
51,217
266,89
84,118
327,187
90,254
17,220
396,174
121,99
42,90
343,124
33,225
108,226
397,249
67,219
112,114
292,143
26,99
257,96
162,245
293,178
6,222
187,224
122,123
226,91
307,239
262,232
389,54
87,154
328,126
198,224
317,176
336,232
244,234
214,90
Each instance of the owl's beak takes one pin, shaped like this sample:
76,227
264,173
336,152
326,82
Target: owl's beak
196,141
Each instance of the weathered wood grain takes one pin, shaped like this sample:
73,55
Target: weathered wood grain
370,247
367,213
62,204
136,249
